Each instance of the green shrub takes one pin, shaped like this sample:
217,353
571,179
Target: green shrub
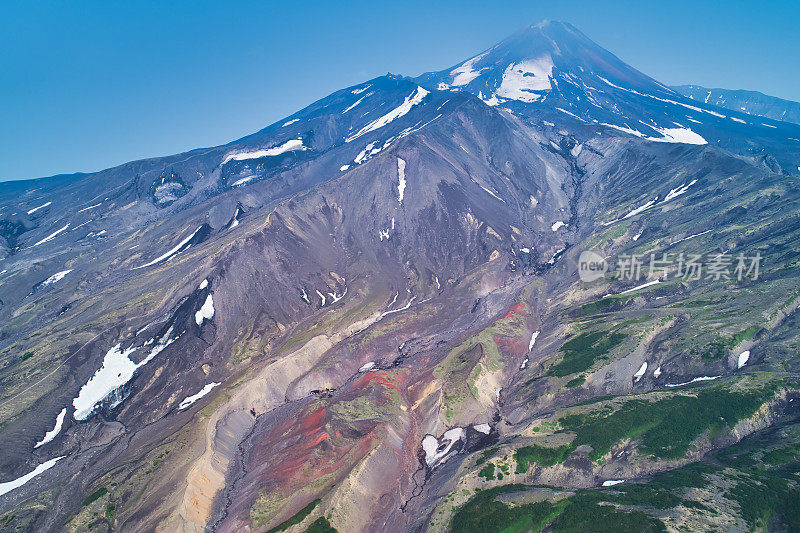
487,472
297,518
321,525
96,495
576,382
581,352
539,454
666,427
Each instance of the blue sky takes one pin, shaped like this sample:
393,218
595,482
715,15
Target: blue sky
88,85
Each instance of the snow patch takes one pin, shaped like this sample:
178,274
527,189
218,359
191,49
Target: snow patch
117,369
189,400
639,373
612,482
367,366
58,276
521,79
354,104
487,189
401,176
465,73
50,435
483,428
677,135
674,193
641,208
657,372
206,312
52,235
32,211
290,122
8,486
171,252
289,146
743,358
242,181
642,286
437,450
557,225
691,237
410,101
533,340
695,380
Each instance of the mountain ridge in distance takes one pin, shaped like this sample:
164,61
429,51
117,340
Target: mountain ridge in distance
751,102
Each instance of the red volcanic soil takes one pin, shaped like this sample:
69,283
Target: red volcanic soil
391,379
510,345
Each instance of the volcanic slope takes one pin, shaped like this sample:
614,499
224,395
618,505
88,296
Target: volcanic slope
368,315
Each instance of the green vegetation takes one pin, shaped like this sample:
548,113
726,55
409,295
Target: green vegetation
767,491
745,335
487,472
297,518
26,356
482,513
582,351
757,479
321,525
96,495
761,498
603,304
540,454
576,382
485,454
585,514
666,427
717,349
581,512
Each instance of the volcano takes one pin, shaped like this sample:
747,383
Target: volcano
370,315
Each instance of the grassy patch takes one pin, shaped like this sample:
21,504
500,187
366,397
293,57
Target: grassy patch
321,525
604,304
717,349
482,513
539,454
485,454
667,427
297,518
576,382
761,498
583,512
582,351
96,495
487,472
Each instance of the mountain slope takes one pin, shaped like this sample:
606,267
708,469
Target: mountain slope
750,102
551,72
368,311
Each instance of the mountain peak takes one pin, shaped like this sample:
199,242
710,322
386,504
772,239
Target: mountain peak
524,66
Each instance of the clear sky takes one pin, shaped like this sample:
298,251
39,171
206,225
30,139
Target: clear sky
92,84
